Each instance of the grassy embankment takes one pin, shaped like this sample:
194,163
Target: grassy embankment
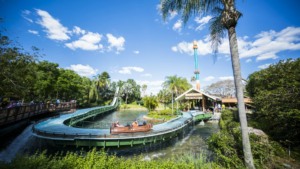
159,114
100,160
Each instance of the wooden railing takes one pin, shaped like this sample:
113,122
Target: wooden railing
18,113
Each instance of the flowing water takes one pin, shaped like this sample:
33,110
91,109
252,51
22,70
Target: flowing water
192,142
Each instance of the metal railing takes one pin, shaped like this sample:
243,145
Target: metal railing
18,113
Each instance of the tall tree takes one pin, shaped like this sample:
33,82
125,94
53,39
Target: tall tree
223,88
226,18
17,70
144,88
176,85
47,74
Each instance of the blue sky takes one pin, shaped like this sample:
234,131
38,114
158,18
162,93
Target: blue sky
129,39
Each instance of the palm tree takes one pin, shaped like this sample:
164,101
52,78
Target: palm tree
144,88
226,18
176,85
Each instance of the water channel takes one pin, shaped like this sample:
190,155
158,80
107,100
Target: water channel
192,142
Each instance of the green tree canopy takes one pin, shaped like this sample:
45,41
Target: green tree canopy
275,92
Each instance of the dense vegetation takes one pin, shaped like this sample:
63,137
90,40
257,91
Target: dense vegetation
275,92
228,150
100,160
24,77
163,115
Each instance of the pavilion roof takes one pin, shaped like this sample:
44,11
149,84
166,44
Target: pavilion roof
195,92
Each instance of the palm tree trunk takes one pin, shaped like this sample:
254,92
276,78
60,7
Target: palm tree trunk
240,97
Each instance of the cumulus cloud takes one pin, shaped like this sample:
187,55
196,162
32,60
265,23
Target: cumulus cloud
177,26
116,43
78,31
209,78
54,29
76,38
128,70
202,22
83,70
226,78
266,45
89,41
187,47
33,32
264,66
152,86
248,60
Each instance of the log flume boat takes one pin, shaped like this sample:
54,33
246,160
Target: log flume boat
130,128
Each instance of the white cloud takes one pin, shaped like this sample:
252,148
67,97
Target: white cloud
83,70
54,29
147,75
265,45
128,70
177,26
33,32
264,66
136,52
226,78
248,60
152,86
202,22
78,31
114,42
187,47
268,44
209,78
25,15
89,41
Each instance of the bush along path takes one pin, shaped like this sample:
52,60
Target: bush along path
228,151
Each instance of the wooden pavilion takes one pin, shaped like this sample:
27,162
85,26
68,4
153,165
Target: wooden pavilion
199,100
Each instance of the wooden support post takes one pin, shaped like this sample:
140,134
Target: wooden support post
203,103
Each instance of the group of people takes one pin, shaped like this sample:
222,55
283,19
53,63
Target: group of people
133,124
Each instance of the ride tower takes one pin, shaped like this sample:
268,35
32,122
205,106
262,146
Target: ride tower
197,71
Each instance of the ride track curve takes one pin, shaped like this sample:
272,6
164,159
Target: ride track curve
59,130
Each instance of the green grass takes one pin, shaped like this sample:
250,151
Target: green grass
162,114
131,106
100,160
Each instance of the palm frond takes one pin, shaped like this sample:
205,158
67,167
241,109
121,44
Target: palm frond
170,5
217,32
188,7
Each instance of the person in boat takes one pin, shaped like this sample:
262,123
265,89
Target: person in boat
118,124
135,124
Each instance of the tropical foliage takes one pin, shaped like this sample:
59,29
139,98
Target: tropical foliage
275,92
227,145
101,160
150,102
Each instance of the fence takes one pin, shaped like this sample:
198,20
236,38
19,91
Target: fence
18,113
